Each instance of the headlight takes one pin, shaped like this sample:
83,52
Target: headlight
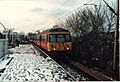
54,49
67,48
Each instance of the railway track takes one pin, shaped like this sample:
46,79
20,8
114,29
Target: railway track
45,55
88,73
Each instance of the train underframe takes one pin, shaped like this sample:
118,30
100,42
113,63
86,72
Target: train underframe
59,54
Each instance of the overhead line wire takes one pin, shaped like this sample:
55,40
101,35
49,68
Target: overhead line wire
70,12
56,10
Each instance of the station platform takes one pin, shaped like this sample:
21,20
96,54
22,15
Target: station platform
27,65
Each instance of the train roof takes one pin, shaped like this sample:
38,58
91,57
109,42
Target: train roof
57,30
53,30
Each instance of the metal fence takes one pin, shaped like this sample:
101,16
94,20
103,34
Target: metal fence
3,47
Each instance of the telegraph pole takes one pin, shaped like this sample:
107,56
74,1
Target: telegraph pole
116,42
116,35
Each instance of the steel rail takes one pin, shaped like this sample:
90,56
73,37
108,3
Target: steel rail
55,61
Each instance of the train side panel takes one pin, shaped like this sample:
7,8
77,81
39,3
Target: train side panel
37,40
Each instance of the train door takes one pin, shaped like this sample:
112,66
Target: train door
35,40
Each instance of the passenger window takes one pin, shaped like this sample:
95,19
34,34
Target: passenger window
37,38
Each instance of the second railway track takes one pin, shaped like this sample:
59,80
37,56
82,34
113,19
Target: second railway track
90,73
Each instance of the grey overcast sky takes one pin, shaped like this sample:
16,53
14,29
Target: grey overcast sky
31,15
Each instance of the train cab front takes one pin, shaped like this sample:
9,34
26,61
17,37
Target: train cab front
59,44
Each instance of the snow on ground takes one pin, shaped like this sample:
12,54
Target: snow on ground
28,65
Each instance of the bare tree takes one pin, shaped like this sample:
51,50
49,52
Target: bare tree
93,30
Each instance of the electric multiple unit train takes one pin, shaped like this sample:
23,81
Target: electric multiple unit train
57,40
